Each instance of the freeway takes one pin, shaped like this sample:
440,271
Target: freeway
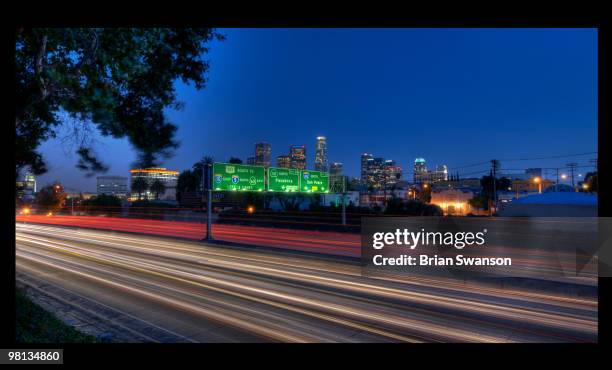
333,243
188,291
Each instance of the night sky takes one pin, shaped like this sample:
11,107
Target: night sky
452,96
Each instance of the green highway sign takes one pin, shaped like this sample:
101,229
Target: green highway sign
237,177
314,182
283,179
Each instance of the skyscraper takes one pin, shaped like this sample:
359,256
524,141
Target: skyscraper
391,174
441,173
335,169
283,161
262,154
297,153
420,170
321,154
365,159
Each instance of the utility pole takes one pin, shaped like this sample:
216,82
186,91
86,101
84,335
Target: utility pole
206,186
557,183
495,167
343,201
572,166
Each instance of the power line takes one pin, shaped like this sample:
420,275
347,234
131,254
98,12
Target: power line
524,159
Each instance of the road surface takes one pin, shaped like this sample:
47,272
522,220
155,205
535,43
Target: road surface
184,291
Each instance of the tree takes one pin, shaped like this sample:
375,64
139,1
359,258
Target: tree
140,185
199,169
486,182
235,160
479,202
50,198
158,187
187,181
591,181
425,194
118,80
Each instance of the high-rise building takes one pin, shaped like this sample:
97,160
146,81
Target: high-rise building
391,174
321,154
377,172
423,175
335,169
298,156
262,154
251,160
112,185
167,177
365,159
420,170
441,173
283,161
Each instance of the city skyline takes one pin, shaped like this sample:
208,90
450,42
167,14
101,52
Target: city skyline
454,96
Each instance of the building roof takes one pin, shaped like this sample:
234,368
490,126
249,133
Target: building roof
568,198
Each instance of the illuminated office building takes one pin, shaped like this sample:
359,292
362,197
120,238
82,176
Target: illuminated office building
391,174
26,188
321,154
283,161
420,171
112,185
262,154
365,164
298,156
167,177
335,169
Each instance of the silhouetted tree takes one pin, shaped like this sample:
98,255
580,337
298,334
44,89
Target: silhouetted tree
119,81
50,198
140,185
158,187
235,160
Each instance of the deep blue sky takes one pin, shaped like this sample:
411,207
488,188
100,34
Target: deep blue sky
453,96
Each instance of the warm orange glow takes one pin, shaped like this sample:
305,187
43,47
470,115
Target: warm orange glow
537,180
50,214
26,211
250,209
155,170
425,186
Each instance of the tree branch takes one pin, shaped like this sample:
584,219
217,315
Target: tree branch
39,65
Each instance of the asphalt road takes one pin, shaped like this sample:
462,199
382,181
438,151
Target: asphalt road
184,291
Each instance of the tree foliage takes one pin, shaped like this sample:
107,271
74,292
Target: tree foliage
140,185
592,182
102,200
119,79
50,198
157,188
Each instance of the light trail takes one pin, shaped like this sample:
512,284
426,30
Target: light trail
291,298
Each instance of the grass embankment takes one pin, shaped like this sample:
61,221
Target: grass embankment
35,325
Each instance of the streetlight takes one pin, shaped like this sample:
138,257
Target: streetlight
538,181
564,177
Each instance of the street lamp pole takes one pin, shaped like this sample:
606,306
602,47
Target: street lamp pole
209,203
